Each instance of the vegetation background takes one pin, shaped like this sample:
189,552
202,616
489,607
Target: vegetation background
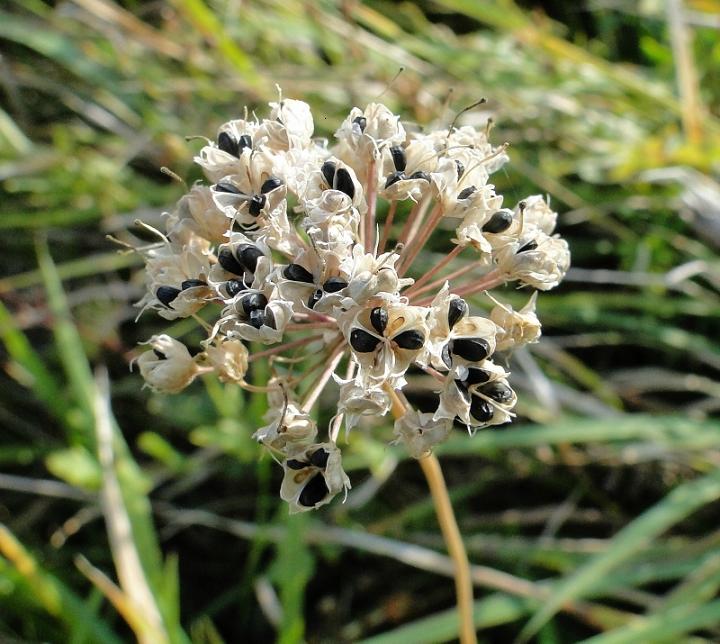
594,517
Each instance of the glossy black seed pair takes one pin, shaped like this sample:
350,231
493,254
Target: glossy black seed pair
471,349
331,285
338,178
227,143
257,202
316,488
166,294
364,342
245,258
254,305
481,409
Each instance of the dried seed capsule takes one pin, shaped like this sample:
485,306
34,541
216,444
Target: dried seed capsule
481,410
257,318
270,185
412,340
167,294
233,287
379,319
394,178
361,121
297,273
253,302
328,172
531,245
248,254
319,458
314,491
227,260
498,391
477,376
464,194
295,464
228,144
226,186
472,349
456,310
192,284
362,341
244,142
420,175
460,169
499,222
344,182
257,203
398,157
315,298
334,284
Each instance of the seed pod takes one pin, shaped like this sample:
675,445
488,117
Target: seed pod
481,410
227,260
244,142
531,245
314,491
257,318
362,341
226,186
411,340
228,144
472,349
394,178
167,294
499,222
253,302
257,203
464,194
361,121
344,182
295,464
248,254
456,310
233,287
319,458
420,175
315,298
328,172
399,158
334,284
379,319
297,273
477,376
270,184
498,391
192,284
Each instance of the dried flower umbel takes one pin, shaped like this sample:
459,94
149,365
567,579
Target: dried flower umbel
332,279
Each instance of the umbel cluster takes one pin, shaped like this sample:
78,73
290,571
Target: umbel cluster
306,252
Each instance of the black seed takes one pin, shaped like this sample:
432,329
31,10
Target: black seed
228,144
361,121
319,458
412,340
420,175
315,298
254,302
233,287
531,245
499,222
456,309
270,319
464,194
248,254
167,294
460,169
445,354
328,172
379,319
160,354
481,410
245,142
270,184
257,318
398,157
498,392
362,341
294,464
192,284
314,491
344,182
297,273
226,186
257,203
462,388
227,260
334,284
394,178
477,376
472,349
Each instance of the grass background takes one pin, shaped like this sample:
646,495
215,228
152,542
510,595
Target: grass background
593,517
